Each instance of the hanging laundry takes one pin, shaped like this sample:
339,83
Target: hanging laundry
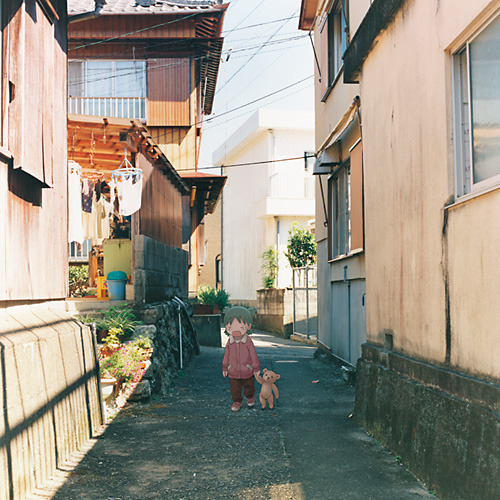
75,226
103,212
129,188
90,222
87,194
98,189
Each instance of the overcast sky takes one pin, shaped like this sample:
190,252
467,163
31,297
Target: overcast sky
266,52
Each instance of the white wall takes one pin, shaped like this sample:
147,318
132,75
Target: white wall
257,196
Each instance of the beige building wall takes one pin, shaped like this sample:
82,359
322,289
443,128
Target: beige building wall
212,247
421,254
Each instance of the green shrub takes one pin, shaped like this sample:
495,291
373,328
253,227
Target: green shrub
213,297
269,267
121,317
78,280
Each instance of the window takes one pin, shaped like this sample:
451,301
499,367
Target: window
476,72
334,39
309,160
107,78
339,189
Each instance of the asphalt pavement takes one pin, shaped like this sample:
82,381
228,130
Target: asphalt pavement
189,445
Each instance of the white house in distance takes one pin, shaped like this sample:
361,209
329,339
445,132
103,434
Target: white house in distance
264,196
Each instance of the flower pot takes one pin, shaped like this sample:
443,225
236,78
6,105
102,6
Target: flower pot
107,385
202,309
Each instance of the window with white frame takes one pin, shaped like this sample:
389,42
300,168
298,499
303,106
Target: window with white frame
334,39
339,189
476,72
102,78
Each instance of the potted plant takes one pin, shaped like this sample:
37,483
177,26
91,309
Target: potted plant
213,299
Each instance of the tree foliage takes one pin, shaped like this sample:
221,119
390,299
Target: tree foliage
301,246
269,267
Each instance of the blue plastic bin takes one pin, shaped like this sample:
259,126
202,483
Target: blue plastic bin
116,281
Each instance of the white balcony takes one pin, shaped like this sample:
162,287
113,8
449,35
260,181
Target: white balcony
118,107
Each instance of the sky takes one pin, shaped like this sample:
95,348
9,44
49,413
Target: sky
263,53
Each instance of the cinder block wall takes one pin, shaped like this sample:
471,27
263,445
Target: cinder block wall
160,272
48,391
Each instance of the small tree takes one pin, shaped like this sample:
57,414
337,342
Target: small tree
269,267
301,246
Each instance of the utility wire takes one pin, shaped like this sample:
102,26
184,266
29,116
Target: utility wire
253,110
257,51
100,76
304,156
257,100
170,22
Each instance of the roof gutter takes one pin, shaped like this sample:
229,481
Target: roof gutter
99,5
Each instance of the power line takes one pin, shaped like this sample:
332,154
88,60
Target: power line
166,40
137,31
256,52
257,100
304,156
100,76
252,110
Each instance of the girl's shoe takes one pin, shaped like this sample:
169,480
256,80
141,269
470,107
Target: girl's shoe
236,407
251,402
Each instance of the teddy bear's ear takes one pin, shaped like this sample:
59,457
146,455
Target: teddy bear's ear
264,370
277,376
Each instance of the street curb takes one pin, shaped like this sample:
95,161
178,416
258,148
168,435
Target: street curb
303,338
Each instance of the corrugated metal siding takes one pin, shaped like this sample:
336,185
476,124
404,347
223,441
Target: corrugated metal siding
178,144
169,92
161,209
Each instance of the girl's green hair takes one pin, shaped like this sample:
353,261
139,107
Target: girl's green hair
242,314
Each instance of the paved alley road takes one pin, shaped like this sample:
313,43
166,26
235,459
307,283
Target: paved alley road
189,445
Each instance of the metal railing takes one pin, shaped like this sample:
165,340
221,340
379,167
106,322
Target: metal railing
118,107
305,300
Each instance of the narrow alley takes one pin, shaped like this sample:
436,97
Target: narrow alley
190,445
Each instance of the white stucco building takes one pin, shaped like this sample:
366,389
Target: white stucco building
263,196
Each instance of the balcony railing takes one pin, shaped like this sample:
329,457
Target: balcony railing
119,107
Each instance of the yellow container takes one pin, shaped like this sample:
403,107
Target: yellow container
102,289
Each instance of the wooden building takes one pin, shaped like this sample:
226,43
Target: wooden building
99,145
48,368
156,62
33,157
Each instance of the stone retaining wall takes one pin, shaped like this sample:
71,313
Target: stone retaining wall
161,325
444,425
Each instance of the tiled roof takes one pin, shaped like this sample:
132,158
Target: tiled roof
142,6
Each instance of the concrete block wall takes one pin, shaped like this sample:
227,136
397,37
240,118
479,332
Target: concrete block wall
275,311
160,272
49,393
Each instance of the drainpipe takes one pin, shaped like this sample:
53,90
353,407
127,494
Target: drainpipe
99,5
348,282
179,304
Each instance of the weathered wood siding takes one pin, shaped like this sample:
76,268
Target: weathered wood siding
169,92
178,144
33,183
161,209
133,27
